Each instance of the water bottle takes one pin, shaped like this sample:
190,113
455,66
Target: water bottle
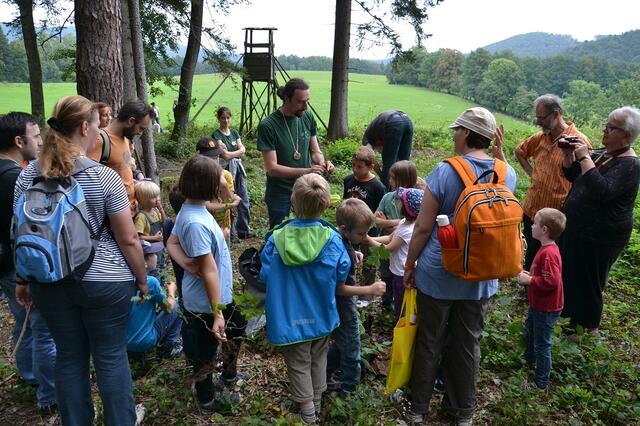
446,233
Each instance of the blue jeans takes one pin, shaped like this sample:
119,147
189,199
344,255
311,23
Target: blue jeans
240,226
398,139
89,319
278,206
344,354
538,330
36,356
168,326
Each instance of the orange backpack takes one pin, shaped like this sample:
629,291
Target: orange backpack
487,225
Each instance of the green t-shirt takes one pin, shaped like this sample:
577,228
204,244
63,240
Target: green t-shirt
275,133
390,206
231,141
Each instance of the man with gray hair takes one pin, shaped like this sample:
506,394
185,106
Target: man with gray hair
548,187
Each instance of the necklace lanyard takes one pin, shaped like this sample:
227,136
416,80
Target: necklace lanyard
614,154
296,145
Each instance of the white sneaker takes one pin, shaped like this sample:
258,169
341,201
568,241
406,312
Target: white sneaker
140,410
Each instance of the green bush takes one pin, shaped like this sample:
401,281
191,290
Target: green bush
339,152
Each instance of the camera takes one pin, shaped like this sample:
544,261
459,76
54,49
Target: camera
567,142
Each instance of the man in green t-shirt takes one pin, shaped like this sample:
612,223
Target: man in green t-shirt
289,144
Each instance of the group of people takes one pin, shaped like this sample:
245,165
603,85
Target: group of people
308,265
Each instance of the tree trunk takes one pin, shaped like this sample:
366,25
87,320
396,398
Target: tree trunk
338,114
99,51
181,112
148,151
33,59
128,76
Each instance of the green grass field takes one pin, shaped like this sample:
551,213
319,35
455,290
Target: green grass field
368,95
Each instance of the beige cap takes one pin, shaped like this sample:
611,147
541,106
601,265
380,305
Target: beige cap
478,119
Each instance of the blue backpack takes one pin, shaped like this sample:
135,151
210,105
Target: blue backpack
52,237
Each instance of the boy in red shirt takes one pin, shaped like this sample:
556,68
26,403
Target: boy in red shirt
544,291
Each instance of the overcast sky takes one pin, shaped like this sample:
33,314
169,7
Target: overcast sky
305,27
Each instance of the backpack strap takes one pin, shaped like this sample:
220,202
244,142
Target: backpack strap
106,146
463,169
500,169
7,167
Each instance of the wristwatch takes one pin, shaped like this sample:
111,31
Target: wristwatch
581,159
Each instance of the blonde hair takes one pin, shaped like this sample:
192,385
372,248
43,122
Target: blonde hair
311,196
58,150
146,191
364,154
354,213
553,219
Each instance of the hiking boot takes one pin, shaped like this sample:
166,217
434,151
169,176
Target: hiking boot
208,407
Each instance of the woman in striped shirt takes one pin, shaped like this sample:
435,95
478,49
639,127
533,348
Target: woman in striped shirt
89,318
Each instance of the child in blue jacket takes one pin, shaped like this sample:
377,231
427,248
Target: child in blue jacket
304,263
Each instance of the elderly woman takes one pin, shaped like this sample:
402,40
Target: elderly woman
450,311
89,318
599,212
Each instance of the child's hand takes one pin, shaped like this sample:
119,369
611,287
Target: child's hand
158,236
379,215
158,204
235,200
226,232
218,328
359,256
171,288
524,278
378,288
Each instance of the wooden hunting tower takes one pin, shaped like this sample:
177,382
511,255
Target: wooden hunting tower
259,83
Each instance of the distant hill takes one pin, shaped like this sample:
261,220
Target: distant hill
614,48
535,44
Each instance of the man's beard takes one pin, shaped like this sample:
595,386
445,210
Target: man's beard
128,133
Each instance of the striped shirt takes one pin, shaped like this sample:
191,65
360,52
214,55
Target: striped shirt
548,187
105,195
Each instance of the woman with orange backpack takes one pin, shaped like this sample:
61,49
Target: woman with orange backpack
451,309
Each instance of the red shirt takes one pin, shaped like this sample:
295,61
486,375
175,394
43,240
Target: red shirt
545,290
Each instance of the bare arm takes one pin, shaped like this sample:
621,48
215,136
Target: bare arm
178,255
524,162
375,289
211,280
421,233
379,241
171,297
127,238
317,157
387,223
274,169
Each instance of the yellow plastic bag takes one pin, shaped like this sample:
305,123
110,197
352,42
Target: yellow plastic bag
404,337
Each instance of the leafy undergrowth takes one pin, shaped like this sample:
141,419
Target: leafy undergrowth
594,382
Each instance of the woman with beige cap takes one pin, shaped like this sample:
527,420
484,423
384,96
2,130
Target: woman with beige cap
450,311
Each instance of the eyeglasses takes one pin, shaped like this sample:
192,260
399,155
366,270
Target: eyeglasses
538,118
608,127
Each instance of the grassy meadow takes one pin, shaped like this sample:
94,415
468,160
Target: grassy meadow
368,95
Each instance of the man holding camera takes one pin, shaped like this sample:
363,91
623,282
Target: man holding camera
548,186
